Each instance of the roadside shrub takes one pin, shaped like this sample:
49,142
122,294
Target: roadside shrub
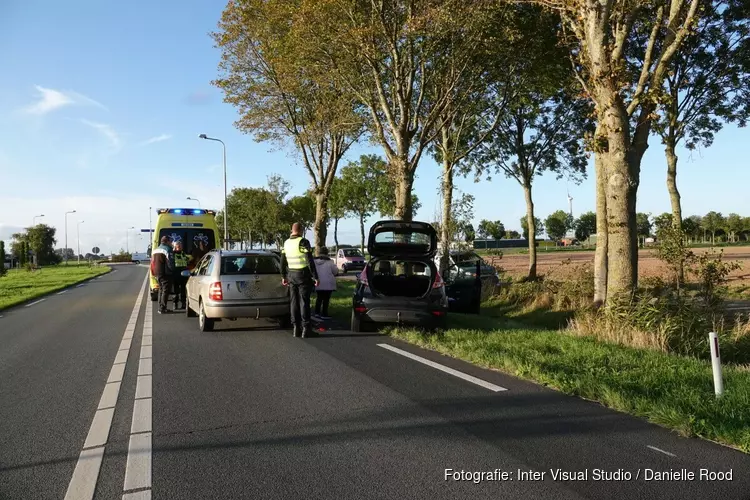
712,273
567,287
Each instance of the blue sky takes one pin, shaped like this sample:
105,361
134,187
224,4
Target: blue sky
101,104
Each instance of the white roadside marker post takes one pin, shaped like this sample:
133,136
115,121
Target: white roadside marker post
713,341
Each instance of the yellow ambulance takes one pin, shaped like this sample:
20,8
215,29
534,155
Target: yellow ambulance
188,225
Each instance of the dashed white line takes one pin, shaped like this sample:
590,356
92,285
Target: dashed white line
660,450
60,293
83,482
146,340
79,286
109,396
144,366
99,431
35,303
115,375
442,368
138,466
146,351
138,495
143,387
141,416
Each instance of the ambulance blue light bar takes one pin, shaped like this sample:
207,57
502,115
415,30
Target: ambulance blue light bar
185,211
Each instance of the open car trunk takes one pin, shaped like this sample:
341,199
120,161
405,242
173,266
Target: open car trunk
401,278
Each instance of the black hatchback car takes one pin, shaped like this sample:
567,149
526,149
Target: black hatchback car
400,284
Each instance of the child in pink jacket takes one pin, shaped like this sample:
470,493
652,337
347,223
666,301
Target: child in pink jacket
327,272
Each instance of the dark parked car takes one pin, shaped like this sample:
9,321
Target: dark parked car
466,276
400,284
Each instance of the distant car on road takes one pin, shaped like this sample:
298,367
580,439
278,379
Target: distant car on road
400,284
237,284
137,258
349,259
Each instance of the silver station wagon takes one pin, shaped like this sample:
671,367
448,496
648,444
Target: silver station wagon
237,284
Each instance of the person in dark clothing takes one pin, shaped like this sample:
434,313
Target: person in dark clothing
298,271
199,250
179,281
162,267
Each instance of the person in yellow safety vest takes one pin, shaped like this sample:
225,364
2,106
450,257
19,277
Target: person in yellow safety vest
298,271
180,282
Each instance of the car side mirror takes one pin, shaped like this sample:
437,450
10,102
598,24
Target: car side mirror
185,274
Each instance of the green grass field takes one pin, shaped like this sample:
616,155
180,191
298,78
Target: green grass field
673,391
19,285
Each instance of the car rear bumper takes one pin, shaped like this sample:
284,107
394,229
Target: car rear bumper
419,317
260,310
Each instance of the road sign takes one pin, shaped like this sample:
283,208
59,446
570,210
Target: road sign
95,250
147,230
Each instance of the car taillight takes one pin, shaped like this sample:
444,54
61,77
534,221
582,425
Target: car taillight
360,309
214,291
438,283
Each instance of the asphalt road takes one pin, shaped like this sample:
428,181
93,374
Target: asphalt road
251,412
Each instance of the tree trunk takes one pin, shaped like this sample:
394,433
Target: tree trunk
622,185
404,184
674,196
532,229
336,233
445,226
320,227
362,232
600,257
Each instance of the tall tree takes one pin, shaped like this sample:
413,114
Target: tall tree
2,258
281,97
40,240
708,84
622,52
538,228
662,222
337,208
713,222
359,189
585,226
491,229
557,224
545,123
402,59
643,226
734,225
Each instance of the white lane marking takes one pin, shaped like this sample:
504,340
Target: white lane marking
125,344
660,450
144,366
122,357
79,286
143,387
141,416
99,431
128,334
442,368
35,303
146,340
60,293
138,495
83,482
138,467
146,351
109,396
116,374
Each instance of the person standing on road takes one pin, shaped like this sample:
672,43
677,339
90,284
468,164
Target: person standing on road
327,271
299,272
199,250
180,282
162,267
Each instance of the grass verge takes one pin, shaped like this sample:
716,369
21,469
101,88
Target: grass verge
19,285
669,390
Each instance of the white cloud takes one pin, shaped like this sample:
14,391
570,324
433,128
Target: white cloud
51,99
107,131
158,138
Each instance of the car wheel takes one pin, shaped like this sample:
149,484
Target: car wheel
205,324
189,312
343,269
154,295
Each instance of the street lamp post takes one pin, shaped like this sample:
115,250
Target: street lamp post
195,200
127,239
78,240
33,221
226,233
66,235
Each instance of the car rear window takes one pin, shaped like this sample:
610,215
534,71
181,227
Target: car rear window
250,264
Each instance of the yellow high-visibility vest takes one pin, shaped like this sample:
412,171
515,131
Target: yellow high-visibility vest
296,256
180,260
